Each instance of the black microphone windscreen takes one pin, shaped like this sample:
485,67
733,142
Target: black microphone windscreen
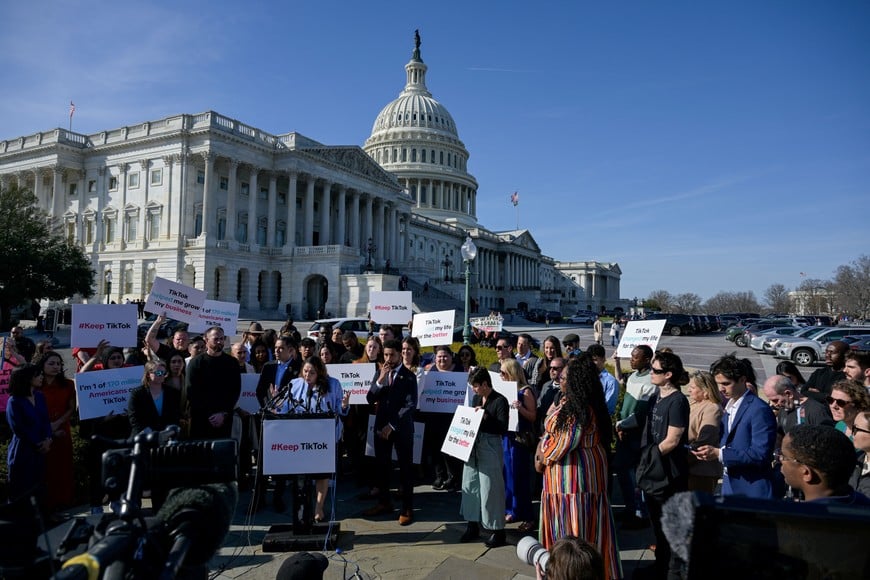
203,514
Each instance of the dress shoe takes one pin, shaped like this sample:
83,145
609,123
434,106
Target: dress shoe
381,508
406,518
450,484
472,532
438,484
496,539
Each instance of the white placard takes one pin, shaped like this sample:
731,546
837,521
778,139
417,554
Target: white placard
217,313
441,392
356,378
298,446
418,441
178,301
509,390
462,433
491,323
638,332
92,323
102,392
434,328
248,397
391,307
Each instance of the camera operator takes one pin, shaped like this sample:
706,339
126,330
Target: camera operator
572,559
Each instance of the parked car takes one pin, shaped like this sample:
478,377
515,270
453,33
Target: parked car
743,338
553,316
168,327
676,324
771,341
756,340
360,326
861,345
805,351
581,317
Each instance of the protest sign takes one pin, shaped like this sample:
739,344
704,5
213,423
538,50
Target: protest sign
462,433
102,392
248,397
176,300
391,307
440,392
356,378
509,390
92,323
434,328
418,441
217,313
292,446
491,323
638,332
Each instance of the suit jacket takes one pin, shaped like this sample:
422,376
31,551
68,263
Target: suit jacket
529,367
395,402
747,451
267,378
143,413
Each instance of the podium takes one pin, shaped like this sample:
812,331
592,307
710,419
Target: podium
298,446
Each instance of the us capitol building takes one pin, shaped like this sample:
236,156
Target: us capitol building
282,221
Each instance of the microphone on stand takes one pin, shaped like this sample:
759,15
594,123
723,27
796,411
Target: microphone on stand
281,394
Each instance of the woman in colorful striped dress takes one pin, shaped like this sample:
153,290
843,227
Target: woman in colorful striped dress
573,458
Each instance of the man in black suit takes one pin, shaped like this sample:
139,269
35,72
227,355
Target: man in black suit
274,378
394,391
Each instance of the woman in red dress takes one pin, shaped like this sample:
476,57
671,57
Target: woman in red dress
60,398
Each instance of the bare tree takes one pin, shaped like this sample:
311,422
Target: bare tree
660,299
777,298
814,295
851,287
687,303
732,302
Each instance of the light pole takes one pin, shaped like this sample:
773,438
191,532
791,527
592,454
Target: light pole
371,248
108,279
469,253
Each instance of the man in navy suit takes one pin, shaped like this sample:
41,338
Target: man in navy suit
394,393
748,433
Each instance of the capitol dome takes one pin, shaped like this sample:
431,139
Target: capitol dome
415,138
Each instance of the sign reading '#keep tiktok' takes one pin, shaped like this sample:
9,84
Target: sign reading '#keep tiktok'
391,307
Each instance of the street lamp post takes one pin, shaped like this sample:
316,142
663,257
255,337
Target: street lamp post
371,248
469,253
108,279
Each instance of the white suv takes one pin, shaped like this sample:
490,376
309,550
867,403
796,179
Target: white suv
806,351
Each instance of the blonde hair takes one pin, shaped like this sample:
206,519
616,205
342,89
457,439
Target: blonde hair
705,382
514,371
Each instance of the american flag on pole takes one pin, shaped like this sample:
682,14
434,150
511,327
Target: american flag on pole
72,109
515,198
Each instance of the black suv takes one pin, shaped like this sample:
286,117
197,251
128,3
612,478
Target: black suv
675,324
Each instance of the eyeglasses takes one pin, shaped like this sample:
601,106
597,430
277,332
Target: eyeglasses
780,457
855,428
840,402
159,373
656,371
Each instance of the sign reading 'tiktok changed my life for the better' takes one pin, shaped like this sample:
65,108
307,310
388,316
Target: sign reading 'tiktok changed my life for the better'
638,332
434,328
462,432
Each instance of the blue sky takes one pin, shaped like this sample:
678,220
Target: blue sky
703,146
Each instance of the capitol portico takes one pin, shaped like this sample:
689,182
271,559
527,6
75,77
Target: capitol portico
272,221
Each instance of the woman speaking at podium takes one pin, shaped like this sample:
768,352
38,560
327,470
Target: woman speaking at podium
316,392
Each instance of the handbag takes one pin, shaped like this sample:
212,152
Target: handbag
527,439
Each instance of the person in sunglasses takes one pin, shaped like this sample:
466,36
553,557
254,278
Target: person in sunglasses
151,406
504,350
747,434
846,400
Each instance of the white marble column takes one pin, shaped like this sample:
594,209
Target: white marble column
207,193
354,219
367,222
122,216
325,213
308,231
145,186
253,194
57,192
291,210
341,218
232,192
273,207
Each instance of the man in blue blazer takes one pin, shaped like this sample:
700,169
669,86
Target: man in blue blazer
748,434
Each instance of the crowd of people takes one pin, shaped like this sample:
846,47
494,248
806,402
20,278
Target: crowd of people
659,429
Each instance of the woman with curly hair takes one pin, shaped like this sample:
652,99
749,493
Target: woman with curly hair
573,458
552,349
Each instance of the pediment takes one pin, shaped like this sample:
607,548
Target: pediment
521,239
353,159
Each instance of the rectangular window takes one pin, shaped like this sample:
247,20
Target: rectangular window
113,183
132,227
128,281
89,231
264,193
92,186
70,232
261,235
133,180
282,197
200,177
73,188
245,188
242,235
154,227
156,176
110,231
222,228
225,183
